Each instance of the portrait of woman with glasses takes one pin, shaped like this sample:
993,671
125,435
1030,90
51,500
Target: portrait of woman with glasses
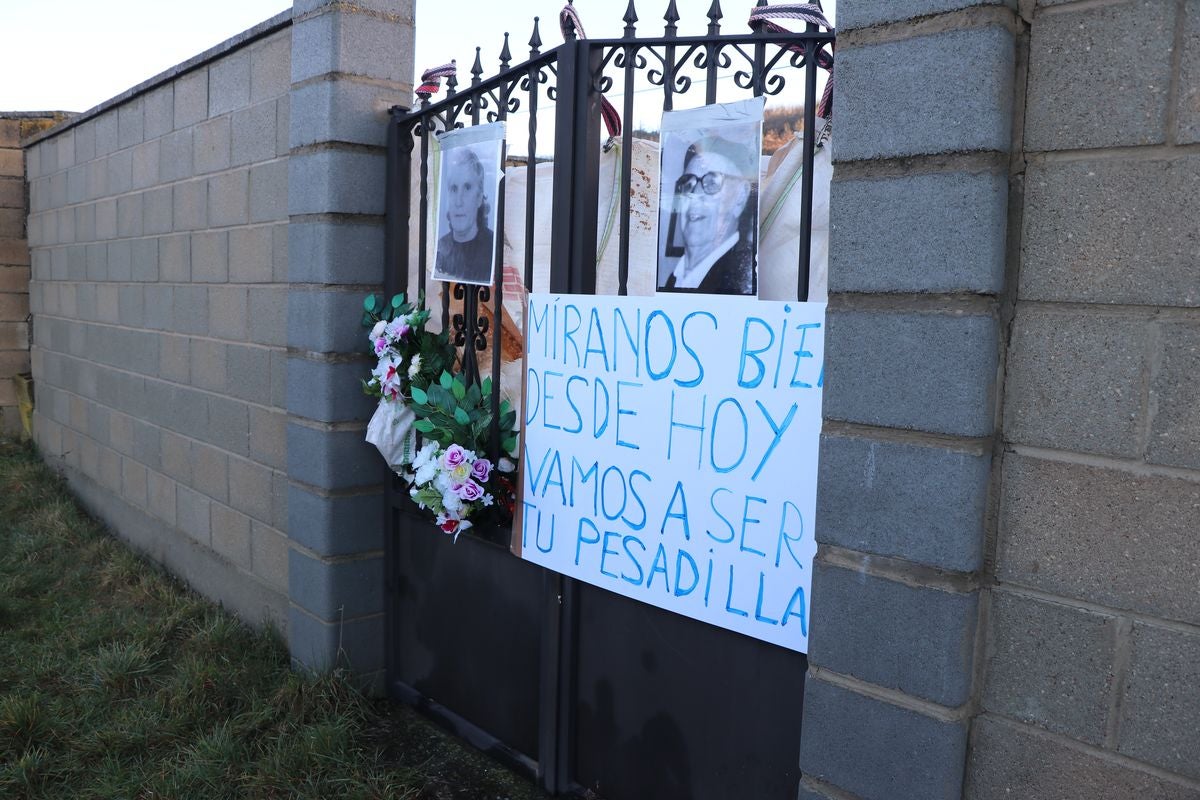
708,242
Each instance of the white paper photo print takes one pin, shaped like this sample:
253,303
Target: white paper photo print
469,171
708,203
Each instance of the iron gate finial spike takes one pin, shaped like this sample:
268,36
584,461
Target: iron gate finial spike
714,17
476,69
630,19
672,16
535,41
505,53
451,85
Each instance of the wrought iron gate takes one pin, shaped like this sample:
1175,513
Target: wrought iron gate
580,687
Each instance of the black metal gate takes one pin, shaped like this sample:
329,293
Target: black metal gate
580,687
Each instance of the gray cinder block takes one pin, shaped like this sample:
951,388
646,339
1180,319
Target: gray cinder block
333,590
229,82
925,371
920,503
1081,93
331,459
918,641
1112,231
877,750
253,132
316,321
328,392
321,646
335,252
228,198
1050,665
919,233
1175,430
211,141
130,122
1009,760
1072,378
342,181
269,191
1108,536
191,98
1161,706
159,111
961,82
335,526
250,489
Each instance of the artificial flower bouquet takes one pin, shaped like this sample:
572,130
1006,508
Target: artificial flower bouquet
418,393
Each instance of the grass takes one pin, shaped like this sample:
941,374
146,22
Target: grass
117,682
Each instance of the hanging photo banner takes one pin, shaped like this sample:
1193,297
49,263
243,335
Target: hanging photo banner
708,202
468,169
670,453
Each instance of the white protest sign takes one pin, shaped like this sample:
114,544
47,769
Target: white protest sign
670,453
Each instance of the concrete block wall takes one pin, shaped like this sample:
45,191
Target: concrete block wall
14,258
352,61
159,248
1092,653
1006,595
920,212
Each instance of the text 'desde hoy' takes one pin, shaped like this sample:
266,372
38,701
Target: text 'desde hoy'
670,453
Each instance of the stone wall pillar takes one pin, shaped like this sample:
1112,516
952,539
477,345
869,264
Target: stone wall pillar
351,61
920,202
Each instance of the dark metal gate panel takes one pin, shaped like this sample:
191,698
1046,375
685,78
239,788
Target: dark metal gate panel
671,708
580,686
470,631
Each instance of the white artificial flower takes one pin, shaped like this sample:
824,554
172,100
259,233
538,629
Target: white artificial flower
426,455
425,473
378,330
415,366
506,465
452,502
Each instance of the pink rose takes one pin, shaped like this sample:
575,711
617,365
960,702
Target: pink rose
468,490
481,470
454,456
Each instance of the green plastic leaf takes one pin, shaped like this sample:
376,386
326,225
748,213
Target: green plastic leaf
419,396
440,397
487,385
510,444
423,425
397,301
445,379
507,420
458,389
371,303
462,417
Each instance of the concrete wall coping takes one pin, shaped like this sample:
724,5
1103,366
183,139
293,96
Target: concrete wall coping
263,29
31,114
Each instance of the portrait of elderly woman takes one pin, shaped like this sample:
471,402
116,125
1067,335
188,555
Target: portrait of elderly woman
465,239
708,239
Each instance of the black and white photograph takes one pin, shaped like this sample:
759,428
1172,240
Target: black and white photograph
708,202
468,176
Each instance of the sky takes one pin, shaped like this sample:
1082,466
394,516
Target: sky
71,55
